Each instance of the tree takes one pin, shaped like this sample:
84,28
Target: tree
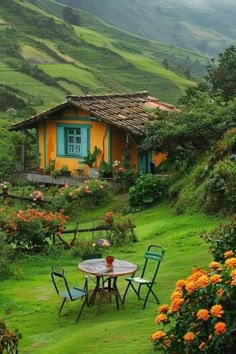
222,73
192,130
220,79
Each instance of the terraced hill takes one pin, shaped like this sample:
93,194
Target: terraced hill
43,58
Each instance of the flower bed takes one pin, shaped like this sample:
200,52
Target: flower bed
202,314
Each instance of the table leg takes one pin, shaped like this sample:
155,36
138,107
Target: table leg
95,291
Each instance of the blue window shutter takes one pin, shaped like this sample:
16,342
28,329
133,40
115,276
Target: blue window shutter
84,141
60,141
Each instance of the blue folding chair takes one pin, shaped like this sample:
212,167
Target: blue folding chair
65,292
152,260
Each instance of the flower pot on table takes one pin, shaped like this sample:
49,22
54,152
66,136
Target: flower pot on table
109,261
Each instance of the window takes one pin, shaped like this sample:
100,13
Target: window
72,140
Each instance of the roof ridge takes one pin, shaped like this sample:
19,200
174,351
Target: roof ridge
123,94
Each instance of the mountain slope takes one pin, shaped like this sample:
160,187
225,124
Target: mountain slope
204,26
43,58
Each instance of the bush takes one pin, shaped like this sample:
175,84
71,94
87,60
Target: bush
201,317
31,229
5,253
147,190
222,239
221,184
8,340
121,229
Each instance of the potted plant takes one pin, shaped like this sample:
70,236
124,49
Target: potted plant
91,161
65,171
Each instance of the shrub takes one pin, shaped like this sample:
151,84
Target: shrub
147,190
221,184
121,229
201,317
221,239
31,229
8,340
5,253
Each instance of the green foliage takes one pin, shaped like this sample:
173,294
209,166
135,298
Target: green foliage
8,339
5,255
201,317
105,170
146,191
221,239
192,130
92,156
121,229
221,185
70,16
222,73
31,229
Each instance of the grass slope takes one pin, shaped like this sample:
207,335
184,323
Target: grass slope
104,59
28,301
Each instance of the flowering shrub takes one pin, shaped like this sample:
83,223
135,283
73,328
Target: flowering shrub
37,195
29,229
121,229
124,173
222,239
201,316
90,193
102,245
8,340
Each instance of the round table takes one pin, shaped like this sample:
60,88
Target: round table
98,268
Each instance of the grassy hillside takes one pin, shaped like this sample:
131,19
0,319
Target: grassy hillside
206,27
29,298
43,59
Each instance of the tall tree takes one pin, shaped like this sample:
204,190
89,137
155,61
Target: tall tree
222,73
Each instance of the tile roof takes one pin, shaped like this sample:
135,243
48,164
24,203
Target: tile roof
130,111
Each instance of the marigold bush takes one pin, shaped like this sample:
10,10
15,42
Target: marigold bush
202,315
221,239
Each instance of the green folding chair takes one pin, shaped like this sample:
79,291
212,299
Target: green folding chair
65,292
152,260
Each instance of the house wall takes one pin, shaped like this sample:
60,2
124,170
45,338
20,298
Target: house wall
118,142
158,157
99,136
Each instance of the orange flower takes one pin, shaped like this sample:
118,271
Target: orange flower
189,336
233,273
217,311
180,284
203,281
220,327
215,265
163,308
175,305
202,345
230,262
233,282
220,293
158,335
215,278
203,315
191,286
161,318
176,295
228,254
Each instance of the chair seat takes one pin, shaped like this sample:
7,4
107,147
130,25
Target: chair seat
140,280
74,292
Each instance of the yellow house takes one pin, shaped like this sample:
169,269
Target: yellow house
112,122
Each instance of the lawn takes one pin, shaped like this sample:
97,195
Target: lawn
28,301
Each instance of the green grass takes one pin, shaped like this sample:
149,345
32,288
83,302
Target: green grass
28,301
